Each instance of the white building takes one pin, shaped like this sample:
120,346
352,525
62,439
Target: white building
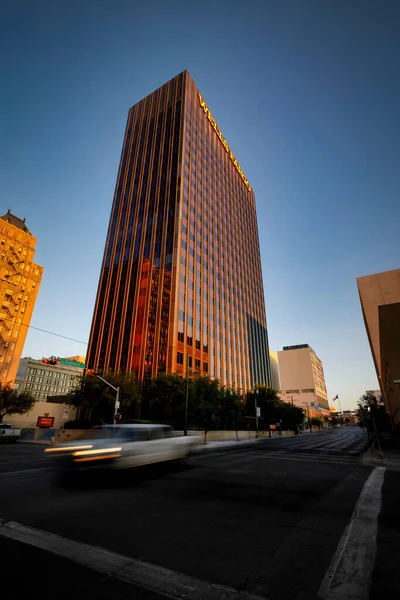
43,379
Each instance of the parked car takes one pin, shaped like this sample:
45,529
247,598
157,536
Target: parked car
125,446
8,433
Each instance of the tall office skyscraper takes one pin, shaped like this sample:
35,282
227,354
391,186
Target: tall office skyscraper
20,280
181,275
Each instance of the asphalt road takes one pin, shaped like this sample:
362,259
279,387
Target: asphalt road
265,518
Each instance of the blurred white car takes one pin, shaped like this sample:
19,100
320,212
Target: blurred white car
125,446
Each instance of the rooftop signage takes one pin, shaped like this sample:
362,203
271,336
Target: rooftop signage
57,360
223,140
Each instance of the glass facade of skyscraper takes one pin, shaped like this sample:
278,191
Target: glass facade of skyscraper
181,283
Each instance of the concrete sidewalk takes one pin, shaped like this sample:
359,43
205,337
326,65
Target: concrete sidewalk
390,455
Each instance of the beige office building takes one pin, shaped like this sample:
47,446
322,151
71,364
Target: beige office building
302,376
275,379
380,303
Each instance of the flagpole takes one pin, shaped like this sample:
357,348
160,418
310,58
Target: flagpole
340,407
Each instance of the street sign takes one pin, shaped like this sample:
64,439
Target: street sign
72,363
117,404
66,413
45,422
272,427
258,411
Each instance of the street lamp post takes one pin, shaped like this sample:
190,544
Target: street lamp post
256,392
116,389
186,395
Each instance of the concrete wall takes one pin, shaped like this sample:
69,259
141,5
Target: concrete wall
69,435
224,436
42,409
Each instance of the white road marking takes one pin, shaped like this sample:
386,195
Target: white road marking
152,577
315,458
349,574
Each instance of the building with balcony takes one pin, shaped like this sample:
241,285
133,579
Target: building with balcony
20,280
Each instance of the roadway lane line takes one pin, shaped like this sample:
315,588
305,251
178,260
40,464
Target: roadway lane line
7,475
314,458
349,574
145,575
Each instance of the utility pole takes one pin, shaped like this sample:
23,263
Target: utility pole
186,395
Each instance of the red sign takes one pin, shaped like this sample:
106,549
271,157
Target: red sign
45,422
272,427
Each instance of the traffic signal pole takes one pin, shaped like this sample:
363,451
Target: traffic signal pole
116,389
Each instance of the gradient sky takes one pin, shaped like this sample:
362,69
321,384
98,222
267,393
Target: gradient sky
307,94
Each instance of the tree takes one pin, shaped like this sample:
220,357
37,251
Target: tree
372,413
291,415
267,400
12,403
206,401
166,397
230,410
96,400
317,422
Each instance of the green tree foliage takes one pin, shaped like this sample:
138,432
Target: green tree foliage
291,416
12,403
272,408
316,422
166,397
207,394
230,410
96,400
372,414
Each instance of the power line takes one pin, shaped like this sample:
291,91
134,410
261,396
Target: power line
49,332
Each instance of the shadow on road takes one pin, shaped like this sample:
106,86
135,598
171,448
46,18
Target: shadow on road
123,478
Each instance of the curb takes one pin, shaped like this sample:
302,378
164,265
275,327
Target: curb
38,442
382,463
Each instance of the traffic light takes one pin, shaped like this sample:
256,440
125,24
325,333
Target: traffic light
50,361
90,372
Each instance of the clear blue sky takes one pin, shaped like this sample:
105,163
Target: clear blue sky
306,92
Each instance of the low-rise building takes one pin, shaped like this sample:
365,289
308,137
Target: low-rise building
48,376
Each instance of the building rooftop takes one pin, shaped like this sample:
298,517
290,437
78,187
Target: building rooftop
296,347
16,221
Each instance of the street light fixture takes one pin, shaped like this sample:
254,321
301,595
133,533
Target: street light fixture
116,389
256,392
